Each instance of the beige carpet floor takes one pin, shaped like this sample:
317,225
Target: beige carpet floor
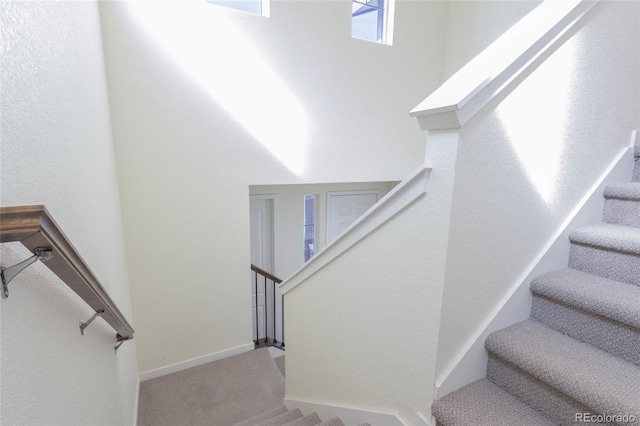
219,393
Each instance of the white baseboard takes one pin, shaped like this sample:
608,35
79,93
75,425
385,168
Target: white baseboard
163,371
424,420
349,416
471,362
136,402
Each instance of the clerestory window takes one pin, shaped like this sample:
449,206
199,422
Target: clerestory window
257,7
372,20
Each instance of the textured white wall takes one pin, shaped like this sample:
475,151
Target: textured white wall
289,221
186,83
474,25
523,166
362,332
365,324
56,150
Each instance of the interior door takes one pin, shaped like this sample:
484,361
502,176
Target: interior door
343,208
261,219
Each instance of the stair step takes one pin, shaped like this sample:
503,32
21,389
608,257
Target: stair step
623,239
623,191
559,375
622,204
483,403
606,250
308,420
590,309
256,420
283,418
612,299
334,421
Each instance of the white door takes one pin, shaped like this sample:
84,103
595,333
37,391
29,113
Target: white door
261,219
343,208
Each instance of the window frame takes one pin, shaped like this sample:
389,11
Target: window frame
265,8
386,11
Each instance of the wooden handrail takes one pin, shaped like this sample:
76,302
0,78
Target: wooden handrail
264,273
34,227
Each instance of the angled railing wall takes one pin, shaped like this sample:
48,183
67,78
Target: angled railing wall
465,93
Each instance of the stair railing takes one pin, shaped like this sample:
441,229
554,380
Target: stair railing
267,281
34,227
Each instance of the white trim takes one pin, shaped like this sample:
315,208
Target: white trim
274,227
389,22
388,206
464,94
635,139
470,363
136,402
266,8
349,416
194,362
425,421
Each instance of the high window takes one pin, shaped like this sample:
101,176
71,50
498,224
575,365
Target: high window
309,226
372,20
257,7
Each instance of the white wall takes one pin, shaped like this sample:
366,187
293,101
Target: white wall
57,151
527,160
359,332
289,220
362,332
474,25
190,125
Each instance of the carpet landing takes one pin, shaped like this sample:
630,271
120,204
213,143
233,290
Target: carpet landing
219,393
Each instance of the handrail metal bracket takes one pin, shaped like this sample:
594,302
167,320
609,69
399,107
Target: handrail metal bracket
84,324
120,341
7,274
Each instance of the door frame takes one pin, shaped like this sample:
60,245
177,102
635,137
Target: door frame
274,230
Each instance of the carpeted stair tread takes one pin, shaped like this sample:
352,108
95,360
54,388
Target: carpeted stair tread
622,204
623,191
482,403
308,420
283,418
255,420
602,296
606,236
334,421
610,384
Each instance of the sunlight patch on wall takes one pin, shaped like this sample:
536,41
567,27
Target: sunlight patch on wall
207,45
534,118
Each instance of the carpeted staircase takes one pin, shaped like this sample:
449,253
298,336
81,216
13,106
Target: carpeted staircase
579,352
281,417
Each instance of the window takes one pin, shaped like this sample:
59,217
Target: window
257,7
309,226
372,20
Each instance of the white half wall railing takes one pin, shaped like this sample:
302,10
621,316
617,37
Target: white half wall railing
494,72
390,205
466,92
